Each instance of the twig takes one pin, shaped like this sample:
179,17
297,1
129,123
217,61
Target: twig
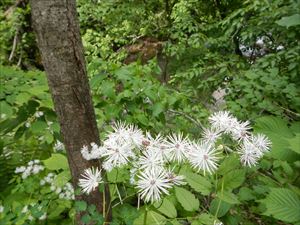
15,42
199,124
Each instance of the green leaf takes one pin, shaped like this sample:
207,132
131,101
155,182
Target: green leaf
80,205
157,108
62,178
198,182
289,21
108,89
187,199
152,218
271,124
38,126
229,163
233,179
219,207
56,162
228,197
282,204
167,208
205,218
294,143
246,194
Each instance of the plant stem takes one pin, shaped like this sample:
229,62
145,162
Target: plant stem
219,203
145,216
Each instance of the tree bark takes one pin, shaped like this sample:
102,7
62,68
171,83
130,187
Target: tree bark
57,29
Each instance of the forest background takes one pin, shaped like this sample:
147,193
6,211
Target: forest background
164,66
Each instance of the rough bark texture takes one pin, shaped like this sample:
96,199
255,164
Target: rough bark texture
57,29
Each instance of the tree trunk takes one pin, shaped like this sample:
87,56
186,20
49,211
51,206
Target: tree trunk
57,29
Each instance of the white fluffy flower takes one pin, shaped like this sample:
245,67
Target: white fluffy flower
95,153
177,147
261,141
118,154
222,121
150,159
203,156
250,153
120,133
240,130
175,179
211,135
136,136
1,209
91,179
152,184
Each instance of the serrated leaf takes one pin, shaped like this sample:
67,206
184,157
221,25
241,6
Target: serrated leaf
289,21
167,208
56,162
198,182
294,143
229,163
228,197
233,179
283,204
272,124
187,199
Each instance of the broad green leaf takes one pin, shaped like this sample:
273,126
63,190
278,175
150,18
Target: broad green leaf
219,207
271,124
205,218
294,143
23,98
231,162
187,199
233,179
80,205
167,208
157,108
153,218
56,162
246,194
198,182
228,197
289,21
62,178
283,204
38,126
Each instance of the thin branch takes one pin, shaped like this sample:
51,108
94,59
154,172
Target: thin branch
15,42
199,124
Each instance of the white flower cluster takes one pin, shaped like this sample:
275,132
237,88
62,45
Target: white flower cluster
33,167
150,157
251,146
1,208
26,211
59,146
65,192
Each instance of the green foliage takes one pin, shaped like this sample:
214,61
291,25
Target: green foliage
283,204
186,199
